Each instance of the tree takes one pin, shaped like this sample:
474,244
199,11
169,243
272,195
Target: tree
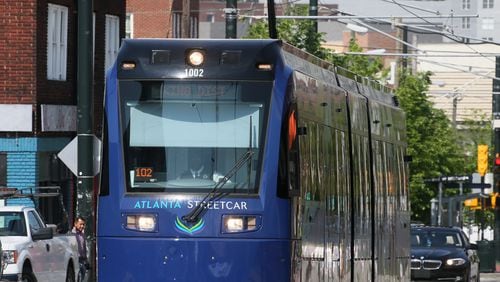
299,33
475,131
370,67
431,142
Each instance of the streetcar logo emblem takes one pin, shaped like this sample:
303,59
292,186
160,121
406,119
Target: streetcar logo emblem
189,230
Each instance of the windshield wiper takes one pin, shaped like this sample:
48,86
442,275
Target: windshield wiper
215,194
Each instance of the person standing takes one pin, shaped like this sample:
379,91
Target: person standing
79,231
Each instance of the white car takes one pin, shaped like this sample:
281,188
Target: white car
31,251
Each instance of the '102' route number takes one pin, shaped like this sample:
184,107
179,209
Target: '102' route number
194,72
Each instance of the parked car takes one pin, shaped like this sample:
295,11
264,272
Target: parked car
31,250
444,254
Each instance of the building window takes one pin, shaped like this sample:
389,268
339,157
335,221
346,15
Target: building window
488,23
129,26
3,169
466,23
57,34
488,4
465,4
193,27
211,18
176,25
112,40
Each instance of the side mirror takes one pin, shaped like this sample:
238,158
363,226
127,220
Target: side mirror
42,234
473,246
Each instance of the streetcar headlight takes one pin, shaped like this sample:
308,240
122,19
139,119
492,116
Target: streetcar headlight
195,57
455,261
9,257
239,223
128,65
264,67
141,222
234,224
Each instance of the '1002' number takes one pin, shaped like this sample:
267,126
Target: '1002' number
194,72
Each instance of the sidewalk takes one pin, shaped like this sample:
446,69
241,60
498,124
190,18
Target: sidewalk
490,277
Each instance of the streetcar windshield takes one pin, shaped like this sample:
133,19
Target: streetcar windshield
188,135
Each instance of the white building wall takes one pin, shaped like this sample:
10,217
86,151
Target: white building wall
467,76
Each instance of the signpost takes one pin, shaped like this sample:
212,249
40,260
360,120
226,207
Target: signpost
482,168
461,182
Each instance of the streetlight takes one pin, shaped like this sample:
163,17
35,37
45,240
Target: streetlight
356,28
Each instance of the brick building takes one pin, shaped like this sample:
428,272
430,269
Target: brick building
38,57
162,19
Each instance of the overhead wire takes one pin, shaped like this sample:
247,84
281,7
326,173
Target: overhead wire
450,66
425,20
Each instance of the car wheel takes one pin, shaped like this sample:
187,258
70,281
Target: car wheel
70,274
28,275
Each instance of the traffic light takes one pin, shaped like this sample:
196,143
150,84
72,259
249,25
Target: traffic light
494,199
482,159
489,202
473,204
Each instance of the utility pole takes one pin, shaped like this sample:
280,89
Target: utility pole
496,166
399,47
85,177
271,14
313,11
231,12
186,14
405,48
454,112
440,203
482,168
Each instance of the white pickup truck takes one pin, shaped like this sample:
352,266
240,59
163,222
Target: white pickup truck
31,250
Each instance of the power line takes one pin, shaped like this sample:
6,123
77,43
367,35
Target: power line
356,17
427,51
415,54
411,6
402,6
459,69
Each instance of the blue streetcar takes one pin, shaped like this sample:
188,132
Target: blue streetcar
248,160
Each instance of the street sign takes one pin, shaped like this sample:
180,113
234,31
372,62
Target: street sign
69,155
468,185
454,178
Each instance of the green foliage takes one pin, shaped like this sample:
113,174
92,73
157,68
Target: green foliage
431,142
299,33
370,67
475,131
258,30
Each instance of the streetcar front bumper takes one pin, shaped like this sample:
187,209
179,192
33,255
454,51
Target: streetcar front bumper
193,259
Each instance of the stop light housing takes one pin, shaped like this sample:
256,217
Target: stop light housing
473,204
482,159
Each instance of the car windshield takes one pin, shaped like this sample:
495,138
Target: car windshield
436,238
184,136
12,224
